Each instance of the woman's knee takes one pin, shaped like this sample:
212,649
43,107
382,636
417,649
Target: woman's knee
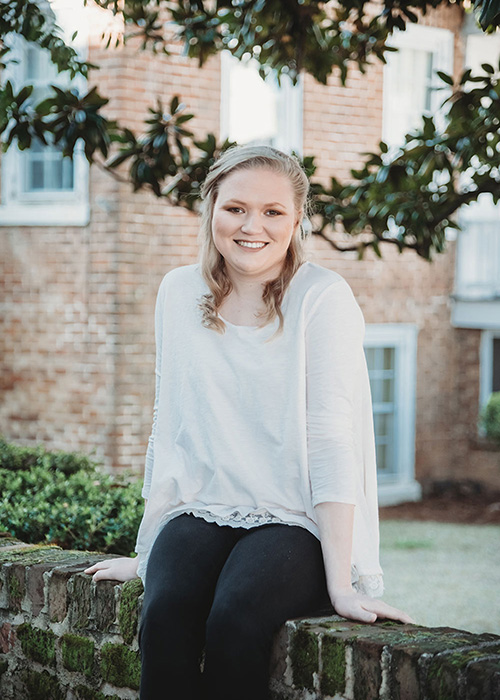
165,610
235,626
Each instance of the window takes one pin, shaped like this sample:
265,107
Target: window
391,358
411,86
478,252
490,364
254,110
39,186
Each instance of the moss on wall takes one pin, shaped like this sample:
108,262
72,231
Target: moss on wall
333,670
34,554
120,666
42,686
37,644
305,659
128,616
78,653
15,590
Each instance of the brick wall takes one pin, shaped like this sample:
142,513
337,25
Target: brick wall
64,637
77,348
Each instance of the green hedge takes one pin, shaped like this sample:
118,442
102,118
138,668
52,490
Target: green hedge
490,417
17,457
65,499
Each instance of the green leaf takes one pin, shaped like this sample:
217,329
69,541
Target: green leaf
487,68
445,77
174,104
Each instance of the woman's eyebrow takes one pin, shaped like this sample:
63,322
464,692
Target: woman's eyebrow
269,204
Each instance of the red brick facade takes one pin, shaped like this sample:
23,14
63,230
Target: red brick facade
77,343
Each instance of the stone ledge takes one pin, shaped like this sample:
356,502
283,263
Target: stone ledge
64,637
336,658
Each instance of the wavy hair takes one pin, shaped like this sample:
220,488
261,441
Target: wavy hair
212,263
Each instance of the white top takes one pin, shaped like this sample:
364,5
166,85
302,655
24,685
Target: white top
247,432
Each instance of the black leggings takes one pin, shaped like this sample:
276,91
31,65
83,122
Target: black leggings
226,590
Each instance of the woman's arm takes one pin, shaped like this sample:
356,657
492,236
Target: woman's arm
335,523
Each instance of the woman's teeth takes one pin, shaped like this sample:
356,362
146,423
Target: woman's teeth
246,244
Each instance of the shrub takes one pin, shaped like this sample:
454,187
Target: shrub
65,499
490,417
14,457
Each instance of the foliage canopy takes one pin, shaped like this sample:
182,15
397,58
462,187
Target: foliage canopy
407,198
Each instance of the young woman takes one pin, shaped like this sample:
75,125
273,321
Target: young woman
260,480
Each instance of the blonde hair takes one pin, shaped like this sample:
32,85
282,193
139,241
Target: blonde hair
212,262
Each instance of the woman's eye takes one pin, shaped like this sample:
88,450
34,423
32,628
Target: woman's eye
273,211
233,209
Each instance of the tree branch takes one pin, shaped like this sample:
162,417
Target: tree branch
362,244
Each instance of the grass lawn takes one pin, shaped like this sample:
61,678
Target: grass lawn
443,574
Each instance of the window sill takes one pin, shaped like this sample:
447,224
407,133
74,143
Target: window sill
392,494
45,214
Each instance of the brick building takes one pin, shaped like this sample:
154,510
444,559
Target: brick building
82,258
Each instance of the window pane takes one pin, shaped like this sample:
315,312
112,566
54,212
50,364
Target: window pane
388,358
67,174
407,99
496,364
46,169
35,175
388,390
252,104
259,111
55,174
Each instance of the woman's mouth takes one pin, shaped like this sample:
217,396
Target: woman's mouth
254,245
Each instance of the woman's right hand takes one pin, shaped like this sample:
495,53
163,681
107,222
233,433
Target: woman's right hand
122,569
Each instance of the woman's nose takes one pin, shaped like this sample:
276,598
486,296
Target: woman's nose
251,224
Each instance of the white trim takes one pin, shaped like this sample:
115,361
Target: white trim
402,337
289,136
393,494
481,314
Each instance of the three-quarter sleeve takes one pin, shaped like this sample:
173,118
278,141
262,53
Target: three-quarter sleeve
148,468
334,350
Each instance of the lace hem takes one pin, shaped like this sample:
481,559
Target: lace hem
262,518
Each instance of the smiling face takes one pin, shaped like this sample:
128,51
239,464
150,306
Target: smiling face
253,221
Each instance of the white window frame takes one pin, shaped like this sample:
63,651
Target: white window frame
45,208
469,253
403,338
416,37
486,366
290,109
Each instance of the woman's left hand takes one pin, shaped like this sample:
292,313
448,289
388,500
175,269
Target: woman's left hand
357,606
